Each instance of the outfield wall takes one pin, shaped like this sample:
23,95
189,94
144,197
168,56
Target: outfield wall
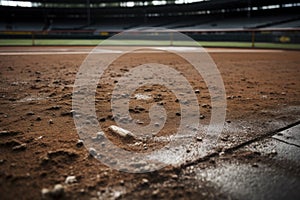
282,36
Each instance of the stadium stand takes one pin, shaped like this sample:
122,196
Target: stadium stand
94,17
66,14
242,22
292,23
19,26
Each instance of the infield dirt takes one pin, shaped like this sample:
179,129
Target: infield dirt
39,142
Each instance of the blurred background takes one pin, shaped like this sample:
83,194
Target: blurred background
229,23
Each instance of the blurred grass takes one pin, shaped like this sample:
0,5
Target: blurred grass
249,45
51,42
94,42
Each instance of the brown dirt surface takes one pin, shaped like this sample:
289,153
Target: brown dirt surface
39,142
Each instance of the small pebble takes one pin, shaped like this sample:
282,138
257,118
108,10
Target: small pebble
102,120
274,152
82,190
121,132
30,113
58,190
40,137
79,143
54,108
161,103
124,95
202,117
137,143
145,181
92,152
100,135
255,165
19,147
139,108
197,91
205,106
139,122
174,176
224,138
51,121
70,180
155,192
45,192
116,194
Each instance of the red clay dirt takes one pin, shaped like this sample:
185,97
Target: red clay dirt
39,143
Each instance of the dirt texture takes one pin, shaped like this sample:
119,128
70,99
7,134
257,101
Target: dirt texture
39,143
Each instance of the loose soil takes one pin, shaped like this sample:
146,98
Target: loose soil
39,142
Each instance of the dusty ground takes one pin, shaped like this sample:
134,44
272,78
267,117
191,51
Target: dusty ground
39,143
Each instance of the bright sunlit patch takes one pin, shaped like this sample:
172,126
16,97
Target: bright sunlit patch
130,4
270,7
156,3
15,3
187,1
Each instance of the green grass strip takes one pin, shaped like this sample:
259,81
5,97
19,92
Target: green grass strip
94,42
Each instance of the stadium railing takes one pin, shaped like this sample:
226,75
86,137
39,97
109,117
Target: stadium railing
208,37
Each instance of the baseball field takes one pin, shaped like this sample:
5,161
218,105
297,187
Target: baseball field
40,145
